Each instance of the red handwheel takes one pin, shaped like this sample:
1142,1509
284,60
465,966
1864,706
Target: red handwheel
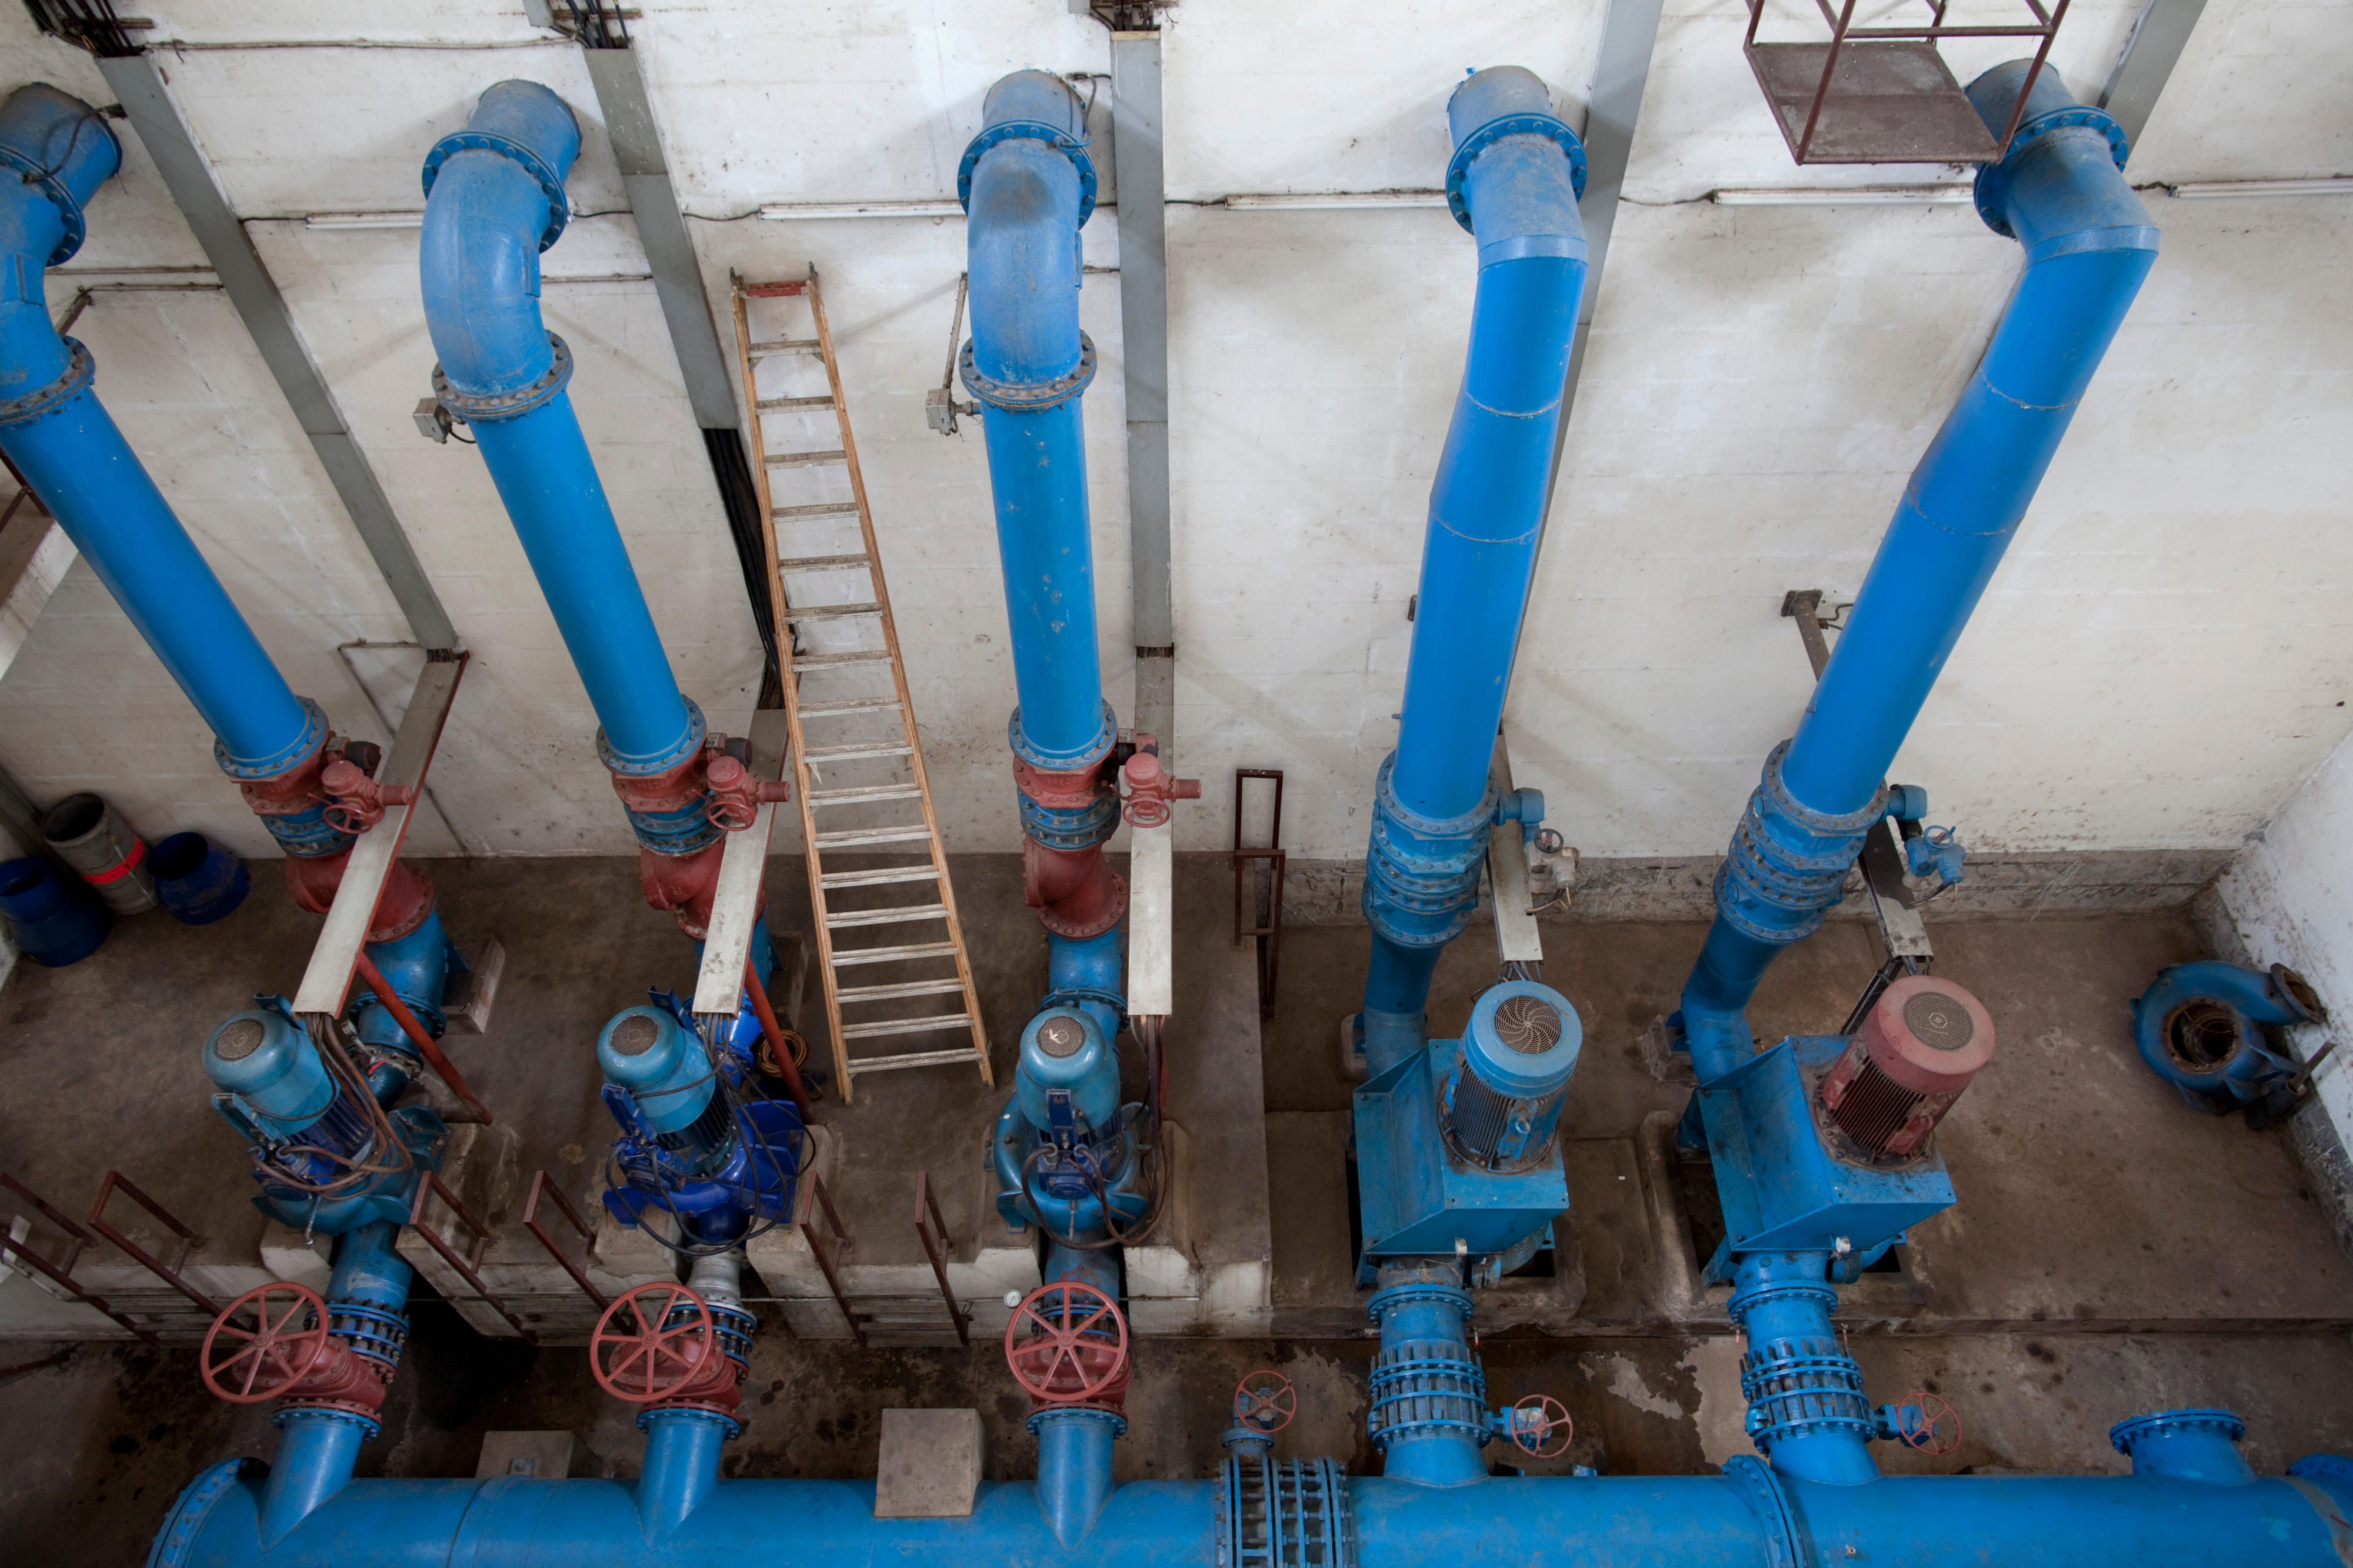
264,1343
1265,1401
1936,1414
1535,1423
1075,1346
639,1354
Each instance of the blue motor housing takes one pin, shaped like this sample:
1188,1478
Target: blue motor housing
698,1159
1066,1154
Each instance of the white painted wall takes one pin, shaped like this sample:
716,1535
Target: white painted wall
2157,666
2290,895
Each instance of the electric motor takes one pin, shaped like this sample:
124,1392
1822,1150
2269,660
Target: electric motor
1502,1100
1919,1046
649,1056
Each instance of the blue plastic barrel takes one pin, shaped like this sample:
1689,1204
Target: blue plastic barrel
53,920
197,880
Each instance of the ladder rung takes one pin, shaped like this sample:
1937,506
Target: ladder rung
877,879
803,459
851,838
786,346
820,509
907,1027
857,793
844,957
870,656
884,917
820,562
767,403
831,612
854,750
847,705
913,1059
911,988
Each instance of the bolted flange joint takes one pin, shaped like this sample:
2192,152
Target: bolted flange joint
1788,866
1421,874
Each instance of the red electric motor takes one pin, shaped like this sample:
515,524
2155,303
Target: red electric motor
1917,1049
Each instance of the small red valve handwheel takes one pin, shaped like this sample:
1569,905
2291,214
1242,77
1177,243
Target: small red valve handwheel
1534,1423
1265,1401
639,1355
265,1342
1067,1358
1936,1414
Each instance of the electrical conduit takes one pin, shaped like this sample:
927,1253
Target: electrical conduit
1514,183
2060,193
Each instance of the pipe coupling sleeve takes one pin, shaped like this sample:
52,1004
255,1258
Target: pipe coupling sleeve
1550,127
551,184
1788,865
1054,136
1429,1385
1082,828
1031,396
1421,874
490,407
80,369
1990,190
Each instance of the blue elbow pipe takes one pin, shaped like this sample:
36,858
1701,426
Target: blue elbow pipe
2059,192
494,201
1514,183
53,428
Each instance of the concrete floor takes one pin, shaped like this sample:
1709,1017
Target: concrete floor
2113,1252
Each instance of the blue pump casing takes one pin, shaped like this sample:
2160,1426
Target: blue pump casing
2202,1028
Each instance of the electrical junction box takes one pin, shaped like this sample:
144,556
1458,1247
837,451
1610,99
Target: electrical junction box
1783,1188
1417,1200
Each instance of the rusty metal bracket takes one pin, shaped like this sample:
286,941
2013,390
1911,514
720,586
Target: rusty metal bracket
540,1186
828,1255
933,1232
167,1272
1246,922
430,1186
59,1274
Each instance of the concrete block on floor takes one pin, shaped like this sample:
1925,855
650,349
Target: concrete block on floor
931,1463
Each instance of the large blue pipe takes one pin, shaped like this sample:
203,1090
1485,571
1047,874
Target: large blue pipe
1029,188
57,152
1514,183
2060,193
495,200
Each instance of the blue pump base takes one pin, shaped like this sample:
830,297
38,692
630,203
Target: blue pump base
1419,1199
1782,1185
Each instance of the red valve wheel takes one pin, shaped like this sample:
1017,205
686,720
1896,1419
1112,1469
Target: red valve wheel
1066,1358
1936,1413
1535,1421
265,1342
639,1355
1265,1401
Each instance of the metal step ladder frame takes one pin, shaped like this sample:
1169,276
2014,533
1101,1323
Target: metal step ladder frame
747,355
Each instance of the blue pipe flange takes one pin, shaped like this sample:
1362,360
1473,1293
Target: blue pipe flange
51,186
1271,1513
79,370
1054,136
1106,736
1082,995
1028,396
1760,1489
472,407
1458,168
1422,873
558,206
660,761
314,735
2220,1423
730,1428
1990,190
179,1536
1788,866
369,1427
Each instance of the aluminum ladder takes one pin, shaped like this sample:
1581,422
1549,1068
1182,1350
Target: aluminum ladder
862,787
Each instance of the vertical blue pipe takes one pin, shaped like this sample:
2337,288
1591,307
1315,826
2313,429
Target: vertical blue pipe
682,1465
56,151
2060,193
1028,187
1074,1467
320,1446
1514,183
1806,1405
1429,1415
494,201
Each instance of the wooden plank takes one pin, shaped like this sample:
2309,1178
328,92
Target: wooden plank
1151,922
742,865
336,953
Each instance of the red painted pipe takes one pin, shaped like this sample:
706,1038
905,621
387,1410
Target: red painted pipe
768,1026
420,1037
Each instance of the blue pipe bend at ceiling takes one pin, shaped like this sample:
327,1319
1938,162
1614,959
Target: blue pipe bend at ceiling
494,201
